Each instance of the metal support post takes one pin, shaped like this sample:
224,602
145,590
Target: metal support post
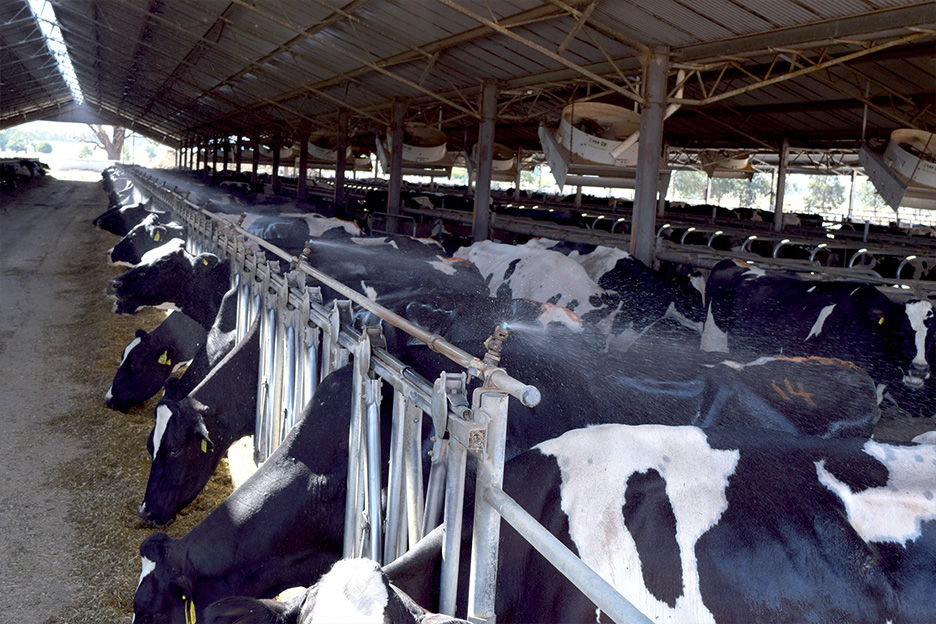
649,151
396,165
482,199
341,161
781,185
354,496
372,401
275,179
412,458
396,509
491,407
302,183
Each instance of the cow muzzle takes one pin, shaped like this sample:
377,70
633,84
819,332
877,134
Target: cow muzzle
916,377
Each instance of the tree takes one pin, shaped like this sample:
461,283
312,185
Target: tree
86,152
113,144
869,197
43,148
825,192
688,184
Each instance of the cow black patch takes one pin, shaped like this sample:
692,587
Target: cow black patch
648,515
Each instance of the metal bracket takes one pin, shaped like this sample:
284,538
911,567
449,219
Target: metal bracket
450,391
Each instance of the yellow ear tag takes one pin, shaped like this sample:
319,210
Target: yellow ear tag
189,611
204,446
156,236
881,321
205,262
164,359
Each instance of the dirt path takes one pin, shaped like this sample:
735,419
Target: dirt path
73,471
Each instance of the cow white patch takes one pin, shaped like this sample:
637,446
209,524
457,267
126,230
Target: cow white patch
369,291
443,265
151,256
810,289
754,272
148,567
820,321
594,477
698,282
713,338
600,261
557,314
128,349
894,512
919,312
682,319
163,414
352,591
928,437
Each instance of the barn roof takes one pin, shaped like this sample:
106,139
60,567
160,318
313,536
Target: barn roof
826,74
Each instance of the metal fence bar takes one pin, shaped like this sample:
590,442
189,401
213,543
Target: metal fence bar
312,342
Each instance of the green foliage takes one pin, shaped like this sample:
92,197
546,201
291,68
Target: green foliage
869,197
86,152
825,192
688,184
43,148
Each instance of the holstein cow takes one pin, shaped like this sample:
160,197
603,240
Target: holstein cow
647,296
665,384
281,528
195,284
612,291
150,358
192,434
354,590
148,234
718,525
391,270
749,310
121,219
291,231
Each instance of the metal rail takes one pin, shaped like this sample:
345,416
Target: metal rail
303,340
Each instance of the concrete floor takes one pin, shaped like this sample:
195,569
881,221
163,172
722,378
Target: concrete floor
45,244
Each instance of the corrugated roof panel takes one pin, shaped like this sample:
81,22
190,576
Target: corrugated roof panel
732,17
827,9
780,13
645,26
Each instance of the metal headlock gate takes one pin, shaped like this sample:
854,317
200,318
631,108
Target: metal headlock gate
303,340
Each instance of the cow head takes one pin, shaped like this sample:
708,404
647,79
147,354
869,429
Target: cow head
158,279
184,458
142,372
921,318
164,593
144,237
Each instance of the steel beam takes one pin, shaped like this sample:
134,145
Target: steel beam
482,199
649,152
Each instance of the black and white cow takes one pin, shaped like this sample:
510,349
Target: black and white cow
192,434
150,358
354,590
718,525
281,528
749,310
152,232
167,274
391,270
607,287
666,384
121,219
291,231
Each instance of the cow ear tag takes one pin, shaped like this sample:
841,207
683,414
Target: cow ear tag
156,236
205,262
204,446
164,359
189,610
881,321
